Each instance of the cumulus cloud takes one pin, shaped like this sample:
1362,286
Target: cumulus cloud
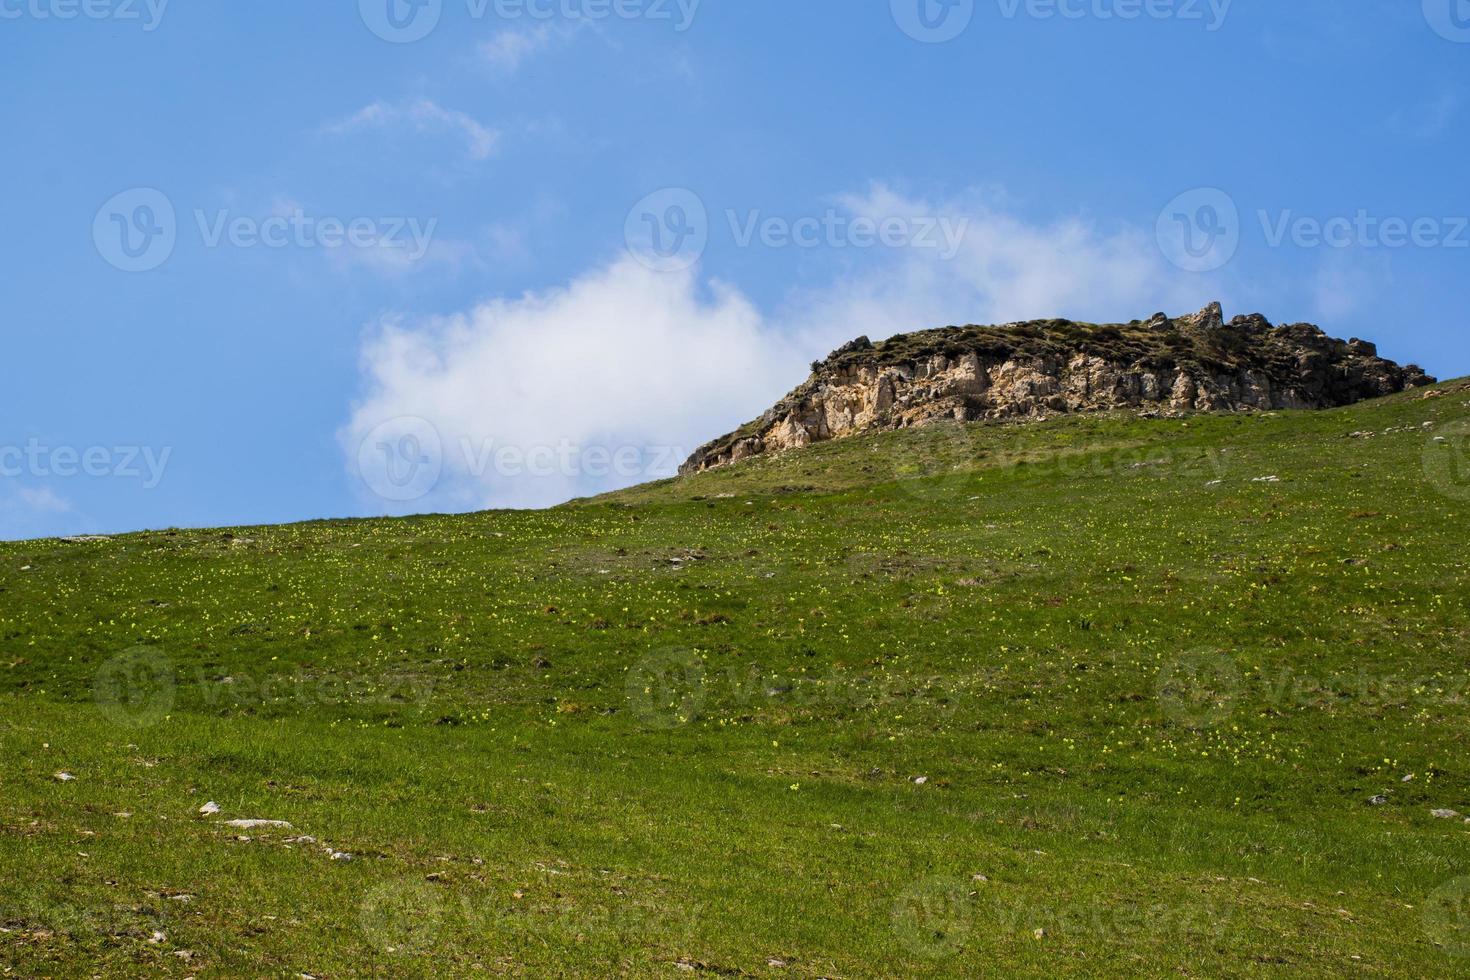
625,357
422,116
520,391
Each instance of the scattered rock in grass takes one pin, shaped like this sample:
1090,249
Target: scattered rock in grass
1378,800
920,780
253,824
341,856
64,777
1267,479
1443,813
980,878
1407,779
1039,934
158,937
778,964
209,809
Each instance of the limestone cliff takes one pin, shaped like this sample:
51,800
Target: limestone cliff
1168,366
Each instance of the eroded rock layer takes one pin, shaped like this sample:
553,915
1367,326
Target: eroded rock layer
1163,365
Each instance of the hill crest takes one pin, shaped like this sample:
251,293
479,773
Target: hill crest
1163,366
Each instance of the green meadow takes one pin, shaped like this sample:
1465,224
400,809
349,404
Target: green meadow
1093,696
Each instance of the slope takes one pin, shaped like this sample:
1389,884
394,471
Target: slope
1084,697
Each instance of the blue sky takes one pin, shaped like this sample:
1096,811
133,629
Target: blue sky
275,261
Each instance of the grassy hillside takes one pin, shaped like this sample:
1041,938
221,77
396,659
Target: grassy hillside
1096,696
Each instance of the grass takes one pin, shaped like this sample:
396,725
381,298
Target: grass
1085,697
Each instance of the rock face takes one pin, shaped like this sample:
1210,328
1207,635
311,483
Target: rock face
1163,365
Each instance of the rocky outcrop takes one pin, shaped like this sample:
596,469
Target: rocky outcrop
1165,366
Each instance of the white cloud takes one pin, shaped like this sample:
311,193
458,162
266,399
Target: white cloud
418,248
284,207
24,511
38,500
508,50
422,116
624,356
506,242
1006,269
1429,119
397,258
